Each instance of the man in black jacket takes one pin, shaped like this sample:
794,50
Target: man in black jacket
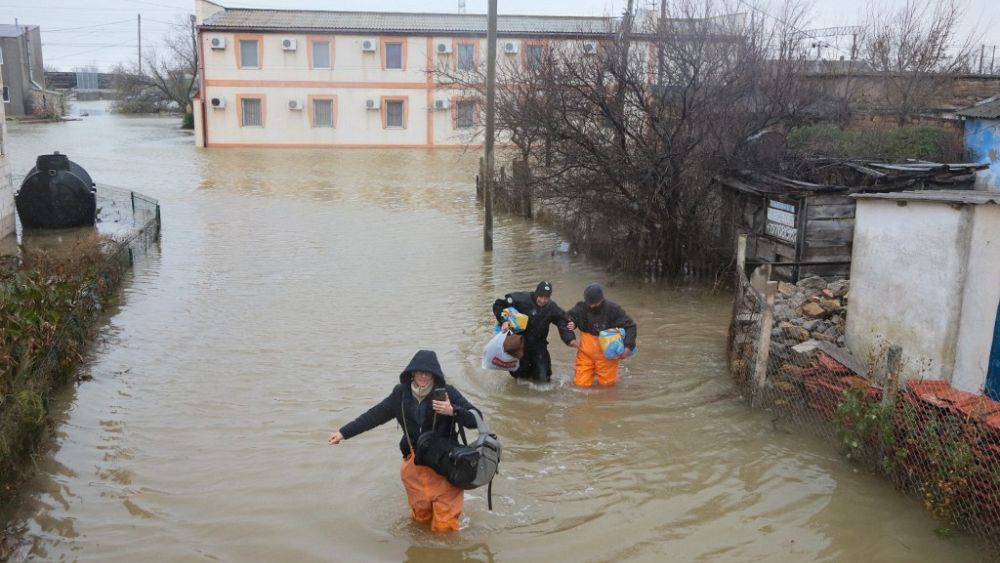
542,311
591,316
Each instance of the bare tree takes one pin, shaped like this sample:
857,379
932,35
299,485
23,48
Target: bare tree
624,149
168,77
916,51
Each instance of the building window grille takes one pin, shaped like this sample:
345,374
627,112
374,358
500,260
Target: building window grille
465,115
535,56
394,113
321,54
394,56
252,111
466,56
322,113
249,53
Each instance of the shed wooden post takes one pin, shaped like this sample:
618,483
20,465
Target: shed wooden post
741,255
481,179
893,362
764,345
526,178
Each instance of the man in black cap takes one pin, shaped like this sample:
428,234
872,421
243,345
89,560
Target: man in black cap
591,316
542,312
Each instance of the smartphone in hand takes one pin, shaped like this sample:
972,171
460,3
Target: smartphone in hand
440,394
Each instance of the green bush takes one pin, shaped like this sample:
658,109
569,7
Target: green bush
188,122
917,142
49,308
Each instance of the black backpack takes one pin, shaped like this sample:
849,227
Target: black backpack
465,465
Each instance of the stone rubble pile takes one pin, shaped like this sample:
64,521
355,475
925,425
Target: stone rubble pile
810,309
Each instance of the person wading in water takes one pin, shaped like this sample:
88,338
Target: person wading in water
542,312
413,405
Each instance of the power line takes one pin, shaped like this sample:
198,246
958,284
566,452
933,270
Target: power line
86,26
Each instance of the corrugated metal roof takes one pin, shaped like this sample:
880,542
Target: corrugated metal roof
382,22
974,197
987,110
11,30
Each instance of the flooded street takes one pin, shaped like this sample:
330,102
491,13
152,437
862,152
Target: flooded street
289,289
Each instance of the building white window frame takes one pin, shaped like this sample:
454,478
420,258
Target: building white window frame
249,119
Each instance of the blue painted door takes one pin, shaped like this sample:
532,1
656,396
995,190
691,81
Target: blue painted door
993,371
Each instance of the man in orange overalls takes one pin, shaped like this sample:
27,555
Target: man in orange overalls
591,316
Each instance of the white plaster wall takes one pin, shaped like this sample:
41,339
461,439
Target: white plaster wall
907,270
981,297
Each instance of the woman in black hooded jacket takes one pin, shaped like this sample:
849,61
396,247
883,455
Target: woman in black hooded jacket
432,498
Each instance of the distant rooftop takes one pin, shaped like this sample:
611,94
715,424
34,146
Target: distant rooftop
11,30
415,23
985,110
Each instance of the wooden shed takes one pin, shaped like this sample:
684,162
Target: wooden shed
806,228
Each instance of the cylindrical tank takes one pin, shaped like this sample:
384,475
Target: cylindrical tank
57,193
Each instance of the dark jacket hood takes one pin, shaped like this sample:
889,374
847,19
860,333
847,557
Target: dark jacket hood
424,360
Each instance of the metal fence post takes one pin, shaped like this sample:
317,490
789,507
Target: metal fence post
764,345
893,362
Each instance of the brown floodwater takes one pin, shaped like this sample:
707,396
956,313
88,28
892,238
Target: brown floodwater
289,289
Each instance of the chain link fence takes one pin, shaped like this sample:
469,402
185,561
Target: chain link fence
128,225
930,440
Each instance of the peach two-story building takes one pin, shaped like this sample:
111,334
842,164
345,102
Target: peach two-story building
293,78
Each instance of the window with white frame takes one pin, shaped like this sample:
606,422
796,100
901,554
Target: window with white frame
465,114
466,56
394,56
249,53
394,113
252,112
322,113
321,54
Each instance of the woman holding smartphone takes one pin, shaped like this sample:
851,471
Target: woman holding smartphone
422,401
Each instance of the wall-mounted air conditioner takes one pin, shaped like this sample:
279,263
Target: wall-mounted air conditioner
217,42
442,48
369,45
218,103
370,103
442,104
289,44
295,105
510,47
589,48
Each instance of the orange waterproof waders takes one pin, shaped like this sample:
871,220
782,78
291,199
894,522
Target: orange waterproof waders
432,498
590,360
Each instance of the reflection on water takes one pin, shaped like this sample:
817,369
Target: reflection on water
289,290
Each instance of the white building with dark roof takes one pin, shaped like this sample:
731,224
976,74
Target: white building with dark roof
293,78
22,69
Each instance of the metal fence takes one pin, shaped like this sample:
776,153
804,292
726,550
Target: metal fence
930,440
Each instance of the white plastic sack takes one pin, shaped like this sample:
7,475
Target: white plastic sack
495,358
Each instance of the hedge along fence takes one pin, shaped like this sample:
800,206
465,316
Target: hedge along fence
50,308
934,442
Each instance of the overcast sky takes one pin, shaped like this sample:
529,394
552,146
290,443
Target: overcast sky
103,32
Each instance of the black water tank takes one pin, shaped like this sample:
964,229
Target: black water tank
57,193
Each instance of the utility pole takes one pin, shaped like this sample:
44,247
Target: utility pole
139,24
982,54
491,86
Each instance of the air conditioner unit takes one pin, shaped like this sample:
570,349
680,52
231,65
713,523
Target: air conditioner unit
442,104
295,104
370,103
217,42
289,44
368,45
510,47
443,48
218,103
589,48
